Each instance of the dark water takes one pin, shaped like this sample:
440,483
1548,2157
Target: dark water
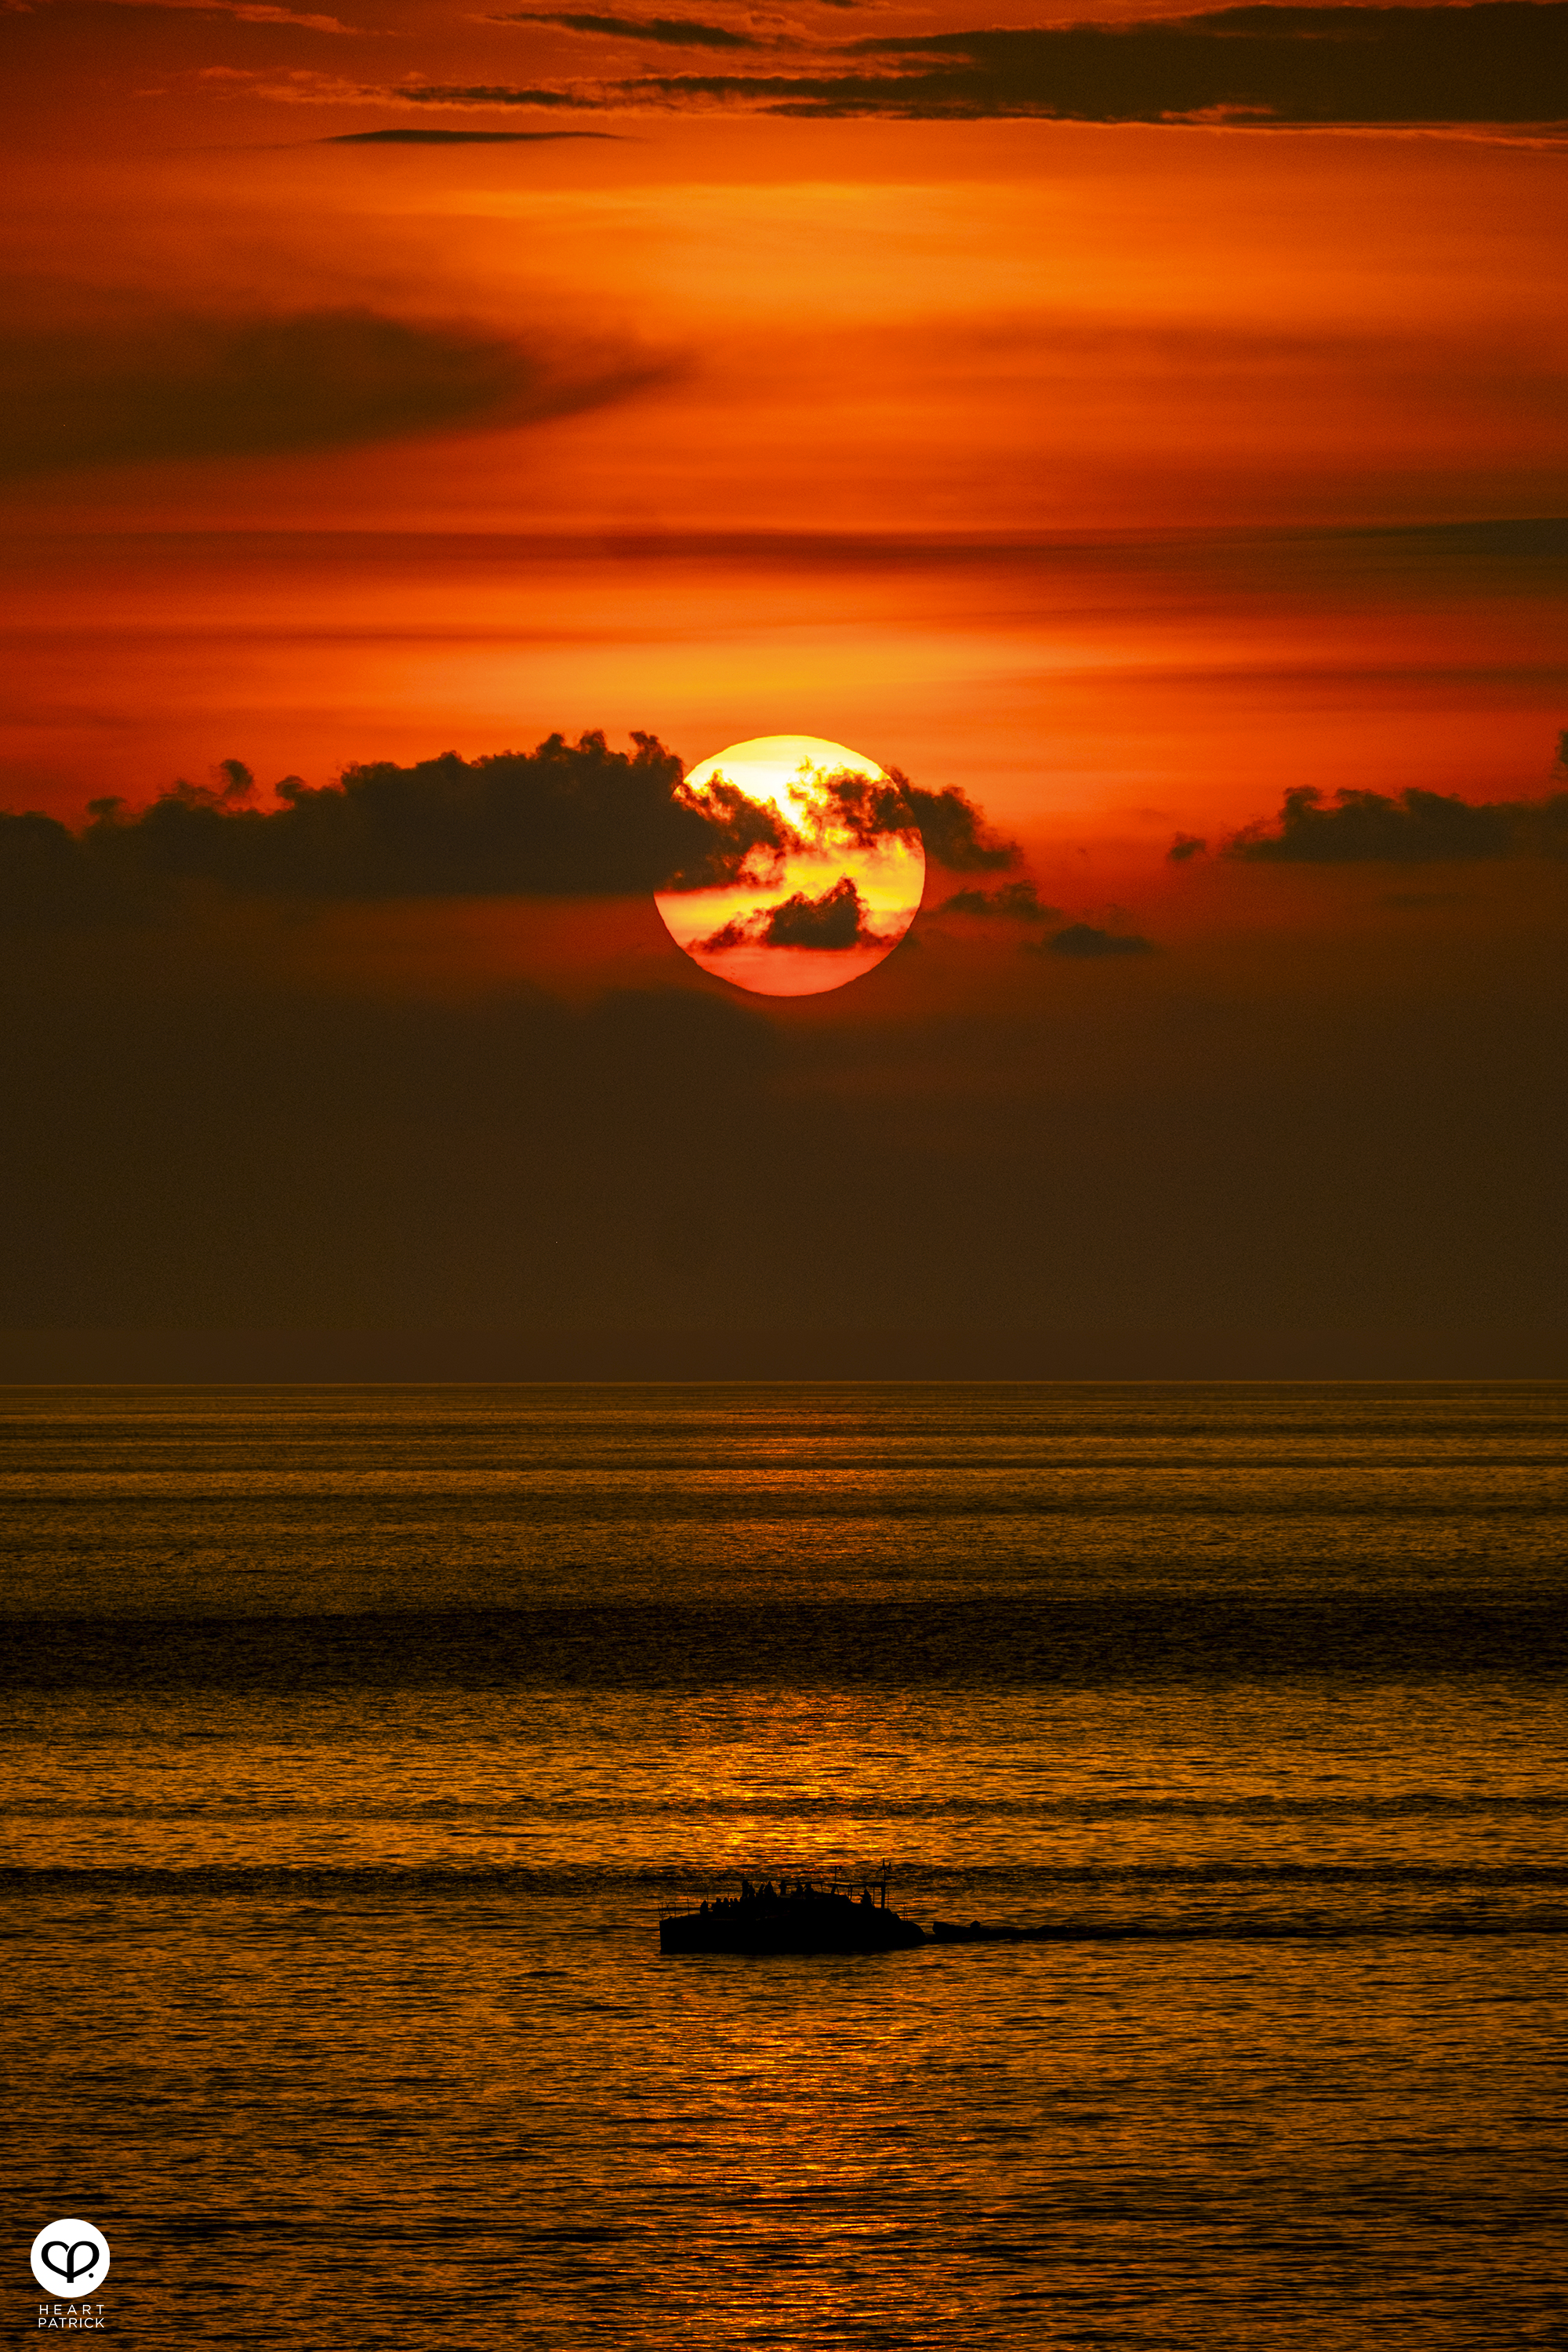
353,1739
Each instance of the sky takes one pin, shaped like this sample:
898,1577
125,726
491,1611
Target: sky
1119,426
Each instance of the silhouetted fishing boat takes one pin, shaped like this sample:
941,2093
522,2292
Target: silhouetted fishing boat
835,1911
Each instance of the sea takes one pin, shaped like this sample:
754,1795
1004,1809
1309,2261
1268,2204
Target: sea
353,1739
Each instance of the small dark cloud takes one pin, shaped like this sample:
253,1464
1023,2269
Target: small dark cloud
1184,846
674,32
952,830
1081,939
193,387
1416,828
729,935
1015,902
955,832
415,136
489,93
741,837
835,921
233,784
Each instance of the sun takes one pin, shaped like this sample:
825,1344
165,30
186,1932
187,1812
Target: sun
824,874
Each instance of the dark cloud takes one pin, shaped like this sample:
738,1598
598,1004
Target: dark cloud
1015,902
955,833
741,837
487,93
1416,828
674,32
418,137
191,387
1082,940
1184,846
564,820
1335,561
1494,62
952,830
835,921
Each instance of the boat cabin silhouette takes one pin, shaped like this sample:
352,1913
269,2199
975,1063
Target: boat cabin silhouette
805,1910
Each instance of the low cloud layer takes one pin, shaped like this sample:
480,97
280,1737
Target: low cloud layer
1416,828
564,820
180,386
276,1117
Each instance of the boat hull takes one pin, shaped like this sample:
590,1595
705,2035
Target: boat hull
789,1929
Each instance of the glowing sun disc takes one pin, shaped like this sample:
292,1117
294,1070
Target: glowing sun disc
820,910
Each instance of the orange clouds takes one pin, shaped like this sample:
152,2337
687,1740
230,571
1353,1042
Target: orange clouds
1118,475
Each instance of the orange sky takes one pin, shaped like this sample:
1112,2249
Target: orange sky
1036,458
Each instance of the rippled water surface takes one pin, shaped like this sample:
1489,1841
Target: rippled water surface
354,1740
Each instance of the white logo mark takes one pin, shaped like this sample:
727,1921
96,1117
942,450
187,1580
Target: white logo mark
71,2258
